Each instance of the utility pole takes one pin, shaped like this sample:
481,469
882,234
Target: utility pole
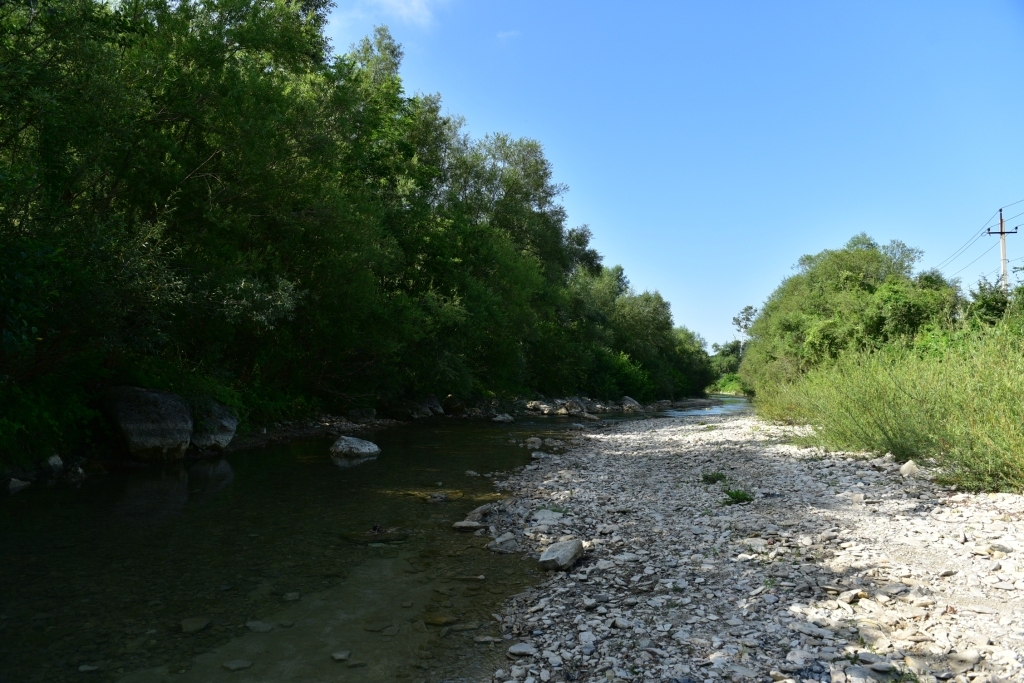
1002,250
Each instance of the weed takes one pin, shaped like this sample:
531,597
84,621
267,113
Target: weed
712,477
962,407
737,496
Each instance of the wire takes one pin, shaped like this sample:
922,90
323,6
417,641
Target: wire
976,236
956,254
992,225
994,244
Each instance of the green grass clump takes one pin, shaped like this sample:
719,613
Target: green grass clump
712,477
962,406
737,496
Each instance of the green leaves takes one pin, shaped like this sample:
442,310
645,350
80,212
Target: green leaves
197,194
862,296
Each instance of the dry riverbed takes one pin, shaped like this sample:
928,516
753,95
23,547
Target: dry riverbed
840,569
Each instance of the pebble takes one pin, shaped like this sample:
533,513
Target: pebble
236,664
341,655
844,567
259,626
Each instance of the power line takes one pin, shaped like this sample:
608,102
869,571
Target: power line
994,245
976,236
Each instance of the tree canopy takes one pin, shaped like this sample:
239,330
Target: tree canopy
859,297
199,195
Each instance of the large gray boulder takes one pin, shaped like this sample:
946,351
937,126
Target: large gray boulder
349,451
214,427
155,425
630,405
432,404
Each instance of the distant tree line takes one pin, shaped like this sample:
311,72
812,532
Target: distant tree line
200,196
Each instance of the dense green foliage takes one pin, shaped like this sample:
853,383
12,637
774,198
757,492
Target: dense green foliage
961,406
863,296
879,359
198,195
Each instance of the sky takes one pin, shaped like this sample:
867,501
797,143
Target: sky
708,145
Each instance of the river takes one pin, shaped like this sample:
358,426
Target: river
271,553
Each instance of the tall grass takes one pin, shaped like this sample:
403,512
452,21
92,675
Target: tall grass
964,406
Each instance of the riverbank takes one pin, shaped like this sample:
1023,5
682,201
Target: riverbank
839,568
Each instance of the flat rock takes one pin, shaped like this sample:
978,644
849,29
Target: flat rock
341,655
236,664
259,626
561,555
467,525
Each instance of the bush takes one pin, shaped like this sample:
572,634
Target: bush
964,408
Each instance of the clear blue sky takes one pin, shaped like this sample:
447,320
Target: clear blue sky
709,144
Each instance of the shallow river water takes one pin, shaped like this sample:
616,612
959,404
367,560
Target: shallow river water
274,548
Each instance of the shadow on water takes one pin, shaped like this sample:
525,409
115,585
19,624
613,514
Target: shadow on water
103,575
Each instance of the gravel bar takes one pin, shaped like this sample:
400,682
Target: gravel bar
840,568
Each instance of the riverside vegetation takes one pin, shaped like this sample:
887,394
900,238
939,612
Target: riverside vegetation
881,359
201,196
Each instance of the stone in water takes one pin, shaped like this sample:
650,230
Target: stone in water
349,451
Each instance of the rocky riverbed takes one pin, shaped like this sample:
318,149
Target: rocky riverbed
838,568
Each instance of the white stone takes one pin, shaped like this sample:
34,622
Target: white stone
522,650
349,451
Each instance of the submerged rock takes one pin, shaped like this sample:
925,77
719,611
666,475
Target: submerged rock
15,485
155,425
349,451
503,417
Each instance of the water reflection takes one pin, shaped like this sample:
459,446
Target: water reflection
150,498
209,477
